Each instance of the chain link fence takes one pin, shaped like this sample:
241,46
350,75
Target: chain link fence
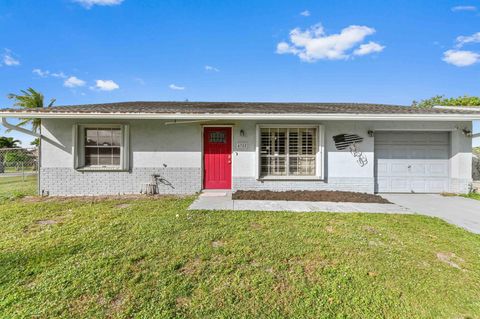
18,162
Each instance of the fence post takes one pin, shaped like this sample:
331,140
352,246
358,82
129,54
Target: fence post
23,172
2,167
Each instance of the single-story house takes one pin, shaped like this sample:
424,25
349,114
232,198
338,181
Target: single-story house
185,147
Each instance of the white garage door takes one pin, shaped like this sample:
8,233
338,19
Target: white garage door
412,162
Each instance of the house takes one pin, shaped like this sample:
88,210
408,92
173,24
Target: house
184,147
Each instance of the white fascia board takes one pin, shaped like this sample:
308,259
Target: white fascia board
250,116
461,108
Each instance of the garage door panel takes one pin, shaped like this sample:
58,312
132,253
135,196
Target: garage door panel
438,152
438,186
383,183
438,138
412,162
438,170
419,169
418,185
399,153
398,169
399,185
382,168
416,152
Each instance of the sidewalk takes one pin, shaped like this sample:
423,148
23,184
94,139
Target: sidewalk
222,200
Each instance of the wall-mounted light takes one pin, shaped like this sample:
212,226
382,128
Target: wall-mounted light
370,133
242,133
467,132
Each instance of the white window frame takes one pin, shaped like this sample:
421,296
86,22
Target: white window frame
79,147
319,155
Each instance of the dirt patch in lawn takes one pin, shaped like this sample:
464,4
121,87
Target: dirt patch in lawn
450,259
45,222
218,243
310,196
191,267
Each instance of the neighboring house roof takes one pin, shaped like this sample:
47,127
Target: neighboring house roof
233,110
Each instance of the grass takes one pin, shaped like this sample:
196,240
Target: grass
15,187
472,196
151,258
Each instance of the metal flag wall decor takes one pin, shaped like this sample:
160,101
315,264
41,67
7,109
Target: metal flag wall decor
343,141
350,141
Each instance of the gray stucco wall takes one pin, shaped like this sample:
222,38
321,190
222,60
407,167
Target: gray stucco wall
175,153
172,152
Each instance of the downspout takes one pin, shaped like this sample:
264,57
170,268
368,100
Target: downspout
31,133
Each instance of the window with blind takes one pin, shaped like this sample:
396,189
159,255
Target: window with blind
101,147
288,151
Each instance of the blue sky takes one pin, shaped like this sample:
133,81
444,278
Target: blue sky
88,51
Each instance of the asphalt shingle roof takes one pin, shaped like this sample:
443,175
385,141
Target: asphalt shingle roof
238,108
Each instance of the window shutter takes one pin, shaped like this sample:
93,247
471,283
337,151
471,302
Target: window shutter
126,147
75,147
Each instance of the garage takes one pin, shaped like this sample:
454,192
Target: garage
412,162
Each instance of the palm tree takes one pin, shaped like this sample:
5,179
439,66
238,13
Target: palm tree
6,142
30,99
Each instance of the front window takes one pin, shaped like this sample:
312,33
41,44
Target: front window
102,147
288,151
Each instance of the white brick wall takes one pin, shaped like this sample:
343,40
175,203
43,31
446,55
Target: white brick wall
68,182
353,184
459,185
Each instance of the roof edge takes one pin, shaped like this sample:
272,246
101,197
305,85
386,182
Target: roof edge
459,108
249,116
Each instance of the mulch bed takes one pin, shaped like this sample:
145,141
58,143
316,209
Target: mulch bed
310,196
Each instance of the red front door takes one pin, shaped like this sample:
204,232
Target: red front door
217,158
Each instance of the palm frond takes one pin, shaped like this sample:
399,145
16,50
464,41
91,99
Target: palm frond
30,99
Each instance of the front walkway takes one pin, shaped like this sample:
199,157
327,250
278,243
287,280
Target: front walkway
222,200
463,212
459,211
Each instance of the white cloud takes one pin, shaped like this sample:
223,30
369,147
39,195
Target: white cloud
461,58
466,39
46,73
367,48
90,3
73,82
305,13
176,87
464,8
106,85
8,58
60,75
41,73
314,44
211,68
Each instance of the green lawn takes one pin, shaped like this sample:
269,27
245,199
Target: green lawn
472,196
151,258
15,187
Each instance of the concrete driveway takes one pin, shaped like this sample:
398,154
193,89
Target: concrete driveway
459,211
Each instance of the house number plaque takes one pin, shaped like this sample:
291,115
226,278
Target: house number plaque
242,146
